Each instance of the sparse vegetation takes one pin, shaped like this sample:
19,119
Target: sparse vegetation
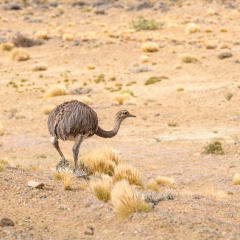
56,90
228,95
91,66
120,98
19,40
42,66
165,181
153,80
65,175
47,109
67,37
188,58
42,34
19,54
214,193
101,189
150,47
4,162
144,24
152,184
236,179
126,200
6,46
192,28
144,58
214,147
86,100
130,173
172,124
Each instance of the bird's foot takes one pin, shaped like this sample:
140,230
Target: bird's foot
62,164
81,173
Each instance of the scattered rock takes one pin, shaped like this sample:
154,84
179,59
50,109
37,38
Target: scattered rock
141,6
75,43
80,90
154,201
34,184
225,54
89,231
78,4
100,11
13,6
6,222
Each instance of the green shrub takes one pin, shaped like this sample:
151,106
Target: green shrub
144,24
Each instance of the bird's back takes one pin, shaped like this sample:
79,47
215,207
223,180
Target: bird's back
71,119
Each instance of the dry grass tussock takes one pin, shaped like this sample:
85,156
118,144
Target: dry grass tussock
1,129
101,189
120,98
19,54
42,66
129,173
42,34
236,179
67,37
152,184
102,160
86,100
65,175
2,167
214,193
149,47
4,162
188,58
126,200
165,181
144,59
47,109
56,90
91,66
192,28
19,40
6,46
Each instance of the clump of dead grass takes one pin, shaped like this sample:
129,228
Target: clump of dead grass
130,173
165,181
47,109
67,37
126,200
56,90
152,184
102,160
86,100
1,129
144,59
42,66
4,162
228,95
42,34
120,98
214,147
145,24
188,58
101,189
214,193
91,66
236,179
19,54
6,46
19,40
192,28
65,175
2,168
149,47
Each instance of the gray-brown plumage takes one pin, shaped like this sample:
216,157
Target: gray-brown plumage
75,121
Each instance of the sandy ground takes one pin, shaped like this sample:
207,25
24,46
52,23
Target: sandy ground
193,97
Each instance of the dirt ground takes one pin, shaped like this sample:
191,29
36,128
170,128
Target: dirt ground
176,118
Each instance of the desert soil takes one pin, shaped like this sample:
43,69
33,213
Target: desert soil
193,98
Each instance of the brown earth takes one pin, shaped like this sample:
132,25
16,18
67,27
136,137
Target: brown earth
200,110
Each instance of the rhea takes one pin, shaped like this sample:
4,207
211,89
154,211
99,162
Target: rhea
76,121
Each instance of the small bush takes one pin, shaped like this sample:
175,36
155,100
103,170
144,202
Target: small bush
4,162
67,37
144,58
120,98
213,148
228,95
172,124
192,28
57,90
6,46
236,179
42,34
129,173
19,54
153,80
188,58
152,184
2,168
126,200
65,175
144,24
101,189
86,100
91,66
149,47
165,181
40,67
20,40
47,109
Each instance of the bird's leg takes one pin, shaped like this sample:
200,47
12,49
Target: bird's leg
63,163
75,150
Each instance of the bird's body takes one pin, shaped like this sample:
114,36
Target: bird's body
76,121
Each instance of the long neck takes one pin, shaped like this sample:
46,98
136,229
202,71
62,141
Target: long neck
109,134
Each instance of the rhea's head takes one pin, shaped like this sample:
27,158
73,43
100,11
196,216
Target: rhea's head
121,115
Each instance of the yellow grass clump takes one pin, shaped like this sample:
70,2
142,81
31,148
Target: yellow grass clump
91,66
6,46
65,175
144,58
67,37
56,90
47,109
42,66
223,29
152,184
42,34
4,162
19,54
210,12
126,200
236,179
129,173
213,192
172,25
208,30
192,28
101,189
1,129
149,47
165,181
86,100
2,167
188,58
102,160
120,98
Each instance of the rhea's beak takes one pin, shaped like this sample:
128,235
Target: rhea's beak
130,115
